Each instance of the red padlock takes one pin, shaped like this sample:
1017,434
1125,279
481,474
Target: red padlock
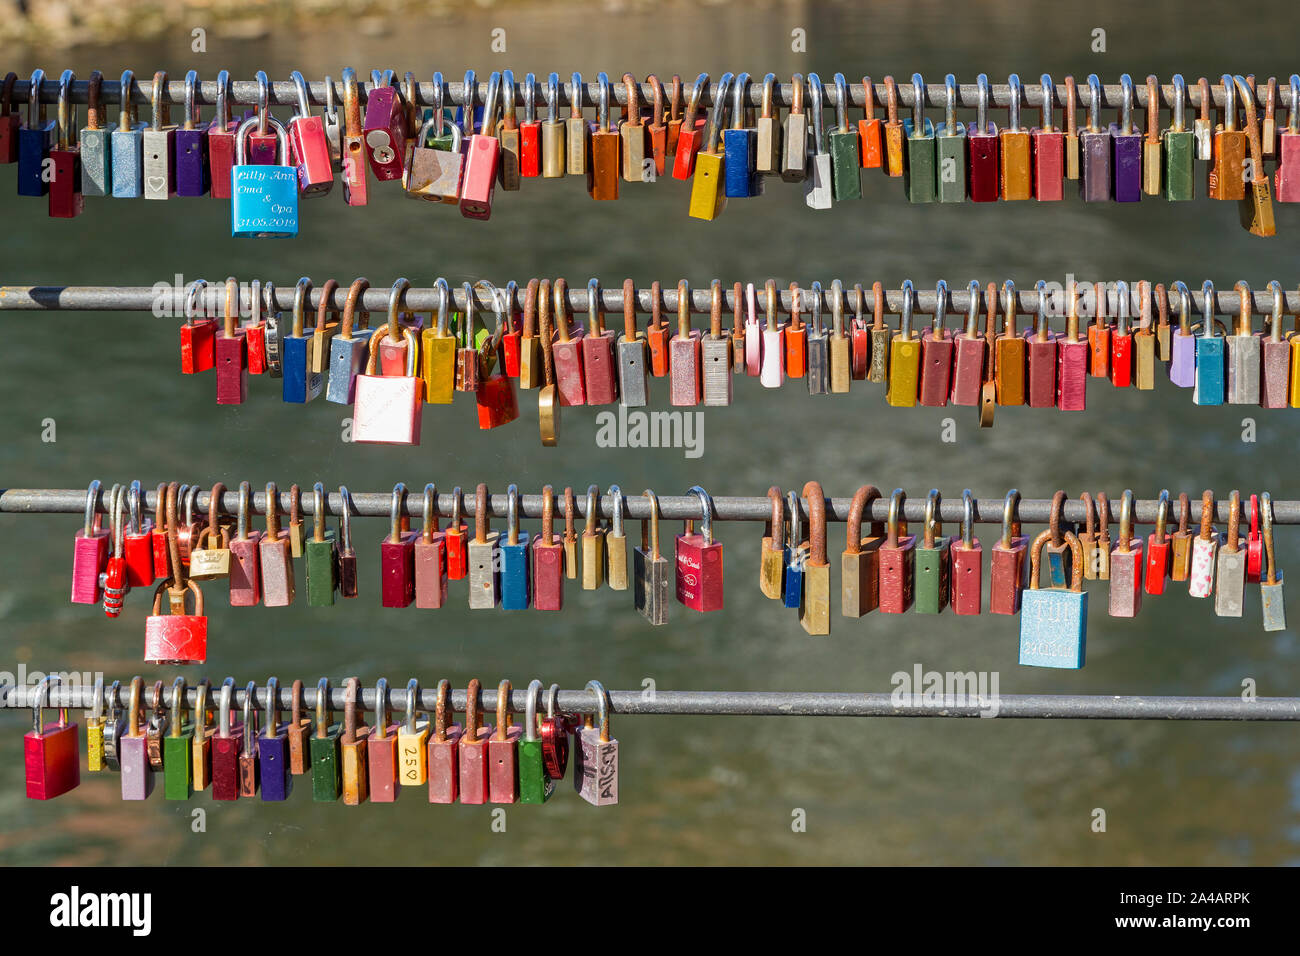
220,134
969,346
937,348
983,182
176,637
388,409
8,120
198,350
657,334
1007,562
600,376
1099,335
384,128
444,750
530,132
231,348
494,396
512,338
50,750
1048,149
1121,340
566,351
1254,544
1041,356
548,560
66,199
472,751
1072,360
794,339
965,576
1159,548
699,561
381,749
897,561
137,544
430,556
482,152
397,557
90,552
691,134
309,146
457,536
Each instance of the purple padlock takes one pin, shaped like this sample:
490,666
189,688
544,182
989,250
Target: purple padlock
1126,150
1182,362
273,749
191,144
90,552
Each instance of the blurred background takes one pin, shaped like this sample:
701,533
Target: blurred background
693,790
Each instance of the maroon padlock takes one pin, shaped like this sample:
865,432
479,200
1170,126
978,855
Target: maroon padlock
430,556
381,749
472,750
1041,356
8,120
1007,562
897,560
983,184
50,750
231,353
90,552
444,750
937,347
699,561
684,354
1072,359
66,198
225,747
503,752
566,351
384,128
548,560
1048,149
397,557
599,371
966,569
220,134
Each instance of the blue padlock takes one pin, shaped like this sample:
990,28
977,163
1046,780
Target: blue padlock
1054,621
299,383
794,557
1211,365
740,177
348,350
263,199
515,580
126,147
35,137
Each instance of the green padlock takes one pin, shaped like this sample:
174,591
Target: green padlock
325,782
950,149
535,785
177,748
1179,149
931,573
845,164
322,555
918,133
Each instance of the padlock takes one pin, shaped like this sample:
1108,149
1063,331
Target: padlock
114,728
507,134
577,135
965,573
299,384
1230,567
1048,148
484,557
353,765
35,138
190,144
245,571
739,147
1016,148
1010,352
1096,148
1057,549
983,179
570,537
444,750
1227,178
817,346
767,138
708,198
897,561
262,336
198,337
136,771
860,561
919,173
177,637
535,784
772,359
299,733
1287,177
262,141
66,199
870,146
126,144
657,334
457,538
275,556
1210,360
1099,560
893,130
904,356
841,345
1268,134
156,728
388,409
616,544
159,143
384,127
229,351
96,723
794,338
219,141
530,133
507,303
530,343
969,353
310,147
1180,558
1054,621
1254,211
547,560
685,355
651,577
1276,363
114,581
249,769
381,750
554,731
1243,354
9,119
432,171
1158,550
503,752
1179,148
989,387
93,140
1272,600
1204,546
1126,565
1120,361
472,751
1145,337
566,351
932,587
595,772
937,348
273,758
599,372
631,149
263,199
554,154
50,760
1007,567
798,546
950,149
656,132
1072,354
438,351
200,738
772,552
1182,363
515,577
815,603
633,356
482,153
1126,149
794,138
430,556
326,783
90,548
1151,145
593,543
137,544
413,741
397,557
843,144
699,561
353,148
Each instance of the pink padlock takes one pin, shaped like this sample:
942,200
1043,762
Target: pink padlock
503,752
472,751
1287,178
444,750
385,128
684,354
566,351
753,335
599,371
245,574
482,152
430,556
772,368
90,552
381,749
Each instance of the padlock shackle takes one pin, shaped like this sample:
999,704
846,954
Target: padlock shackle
706,509
1229,111
816,96
117,510
301,294
225,701
1094,103
512,514
481,524
950,124
530,710
272,511
939,327
576,88
815,323
1266,517
396,298
967,520
250,719
472,705
66,111
1048,90
616,521
1207,308
1234,521
1013,103
593,507
381,709
982,104
553,98
442,710
776,520
504,714
837,308
1244,313
812,492
530,98
509,116
841,102
1122,302
1126,105
351,693
858,507
395,514
324,711
1126,521
602,707
429,524
770,304
126,112
653,521
241,140
973,309
717,115
930,526
891,521
413,696
42,700
548,515
1207,514
1162,514
1076,554
92,519
905,312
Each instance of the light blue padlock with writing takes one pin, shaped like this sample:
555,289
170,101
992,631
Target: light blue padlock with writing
1054,621
263,199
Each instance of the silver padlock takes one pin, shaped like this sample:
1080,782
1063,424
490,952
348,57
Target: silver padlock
484,557
819,359
715,353
1230,569
794,144
651,571
333,126
159,145
1243,355
817,186
1270,582
274,332
633,355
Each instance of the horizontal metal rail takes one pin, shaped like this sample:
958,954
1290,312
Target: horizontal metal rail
635,506
284,92
376,299
741,703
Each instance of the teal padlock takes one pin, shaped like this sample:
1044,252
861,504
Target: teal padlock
918,134
1211,366
1179,146
950,150
263,199
1054,621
